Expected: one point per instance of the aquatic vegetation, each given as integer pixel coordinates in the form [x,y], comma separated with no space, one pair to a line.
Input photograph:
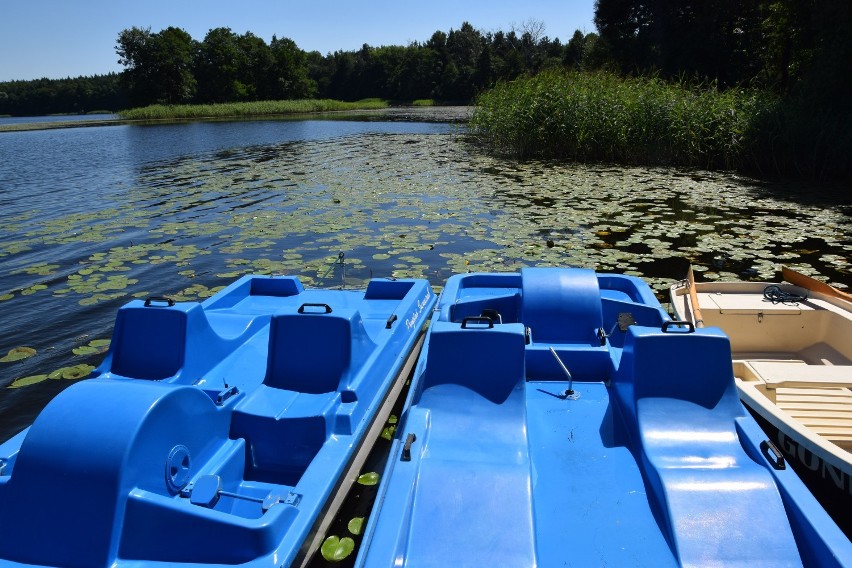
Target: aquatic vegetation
[17,354]
[27,381]
[396,205]
[72,373]
[94,347]
[335,549]
[247,109]
[75,372]
[370,478]
[355,525]
[630,120]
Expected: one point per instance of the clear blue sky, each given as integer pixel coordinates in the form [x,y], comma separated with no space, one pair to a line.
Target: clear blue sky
[66,38]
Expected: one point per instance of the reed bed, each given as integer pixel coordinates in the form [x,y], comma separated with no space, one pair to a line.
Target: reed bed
[248,109]
[605,117]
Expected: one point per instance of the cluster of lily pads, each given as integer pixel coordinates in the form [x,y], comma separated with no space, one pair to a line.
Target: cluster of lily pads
[335,548]
[401,205]
[73,372]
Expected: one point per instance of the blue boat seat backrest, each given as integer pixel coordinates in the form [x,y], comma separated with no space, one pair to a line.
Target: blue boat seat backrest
[561,305]
[487,361]
[149,342]
[695,367]
[176,342]
[313,352]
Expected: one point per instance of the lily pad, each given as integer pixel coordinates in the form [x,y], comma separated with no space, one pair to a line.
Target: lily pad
[18,353]
[80,371]
[27,381]
[355,525]
[370,478]
[388,432]
[84,350]
[335,549]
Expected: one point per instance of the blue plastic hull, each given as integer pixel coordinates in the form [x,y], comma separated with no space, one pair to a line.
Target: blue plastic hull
[650,461]
[214,433]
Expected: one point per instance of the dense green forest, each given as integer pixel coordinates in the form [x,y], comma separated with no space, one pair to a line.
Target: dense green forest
[170,67]
[62,96]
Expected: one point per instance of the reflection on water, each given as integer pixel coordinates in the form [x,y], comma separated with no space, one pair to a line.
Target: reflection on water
[93,217]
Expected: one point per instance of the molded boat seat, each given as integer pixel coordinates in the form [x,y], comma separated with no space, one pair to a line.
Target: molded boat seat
[562,305]
[159,342]
[286,420]
[474,451]
[719,503]
[562,308]
[298,362]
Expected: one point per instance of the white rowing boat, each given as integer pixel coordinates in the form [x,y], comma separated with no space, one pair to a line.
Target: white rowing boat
[792,357]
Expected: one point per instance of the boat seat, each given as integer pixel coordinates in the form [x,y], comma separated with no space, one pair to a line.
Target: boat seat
[562,305]
[718,502]
[308,352]
[155,341]
[288,418]
[562,308]
[799,374]
[475,450]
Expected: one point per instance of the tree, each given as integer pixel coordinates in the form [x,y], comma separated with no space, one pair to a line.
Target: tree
[158,67]
[219,64]
[290,71]
[707,39]
[257,67]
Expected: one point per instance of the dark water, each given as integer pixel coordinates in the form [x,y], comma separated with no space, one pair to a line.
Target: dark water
[90,218]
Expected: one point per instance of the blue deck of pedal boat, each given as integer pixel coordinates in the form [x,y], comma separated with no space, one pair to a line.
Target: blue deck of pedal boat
[655,463]
[214,433]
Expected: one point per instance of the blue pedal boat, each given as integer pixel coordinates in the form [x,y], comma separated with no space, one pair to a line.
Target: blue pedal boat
[637,453]
[217,433]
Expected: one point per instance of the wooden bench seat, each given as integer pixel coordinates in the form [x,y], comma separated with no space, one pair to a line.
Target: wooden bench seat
[799,374]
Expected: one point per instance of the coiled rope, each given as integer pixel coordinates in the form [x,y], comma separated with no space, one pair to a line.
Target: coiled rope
[776,295]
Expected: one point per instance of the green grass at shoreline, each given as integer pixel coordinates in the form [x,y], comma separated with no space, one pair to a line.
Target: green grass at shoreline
[247,109]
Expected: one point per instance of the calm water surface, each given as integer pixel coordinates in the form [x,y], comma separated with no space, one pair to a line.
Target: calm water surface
[92,217]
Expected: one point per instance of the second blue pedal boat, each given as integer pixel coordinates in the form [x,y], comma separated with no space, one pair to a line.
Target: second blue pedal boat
[558,417]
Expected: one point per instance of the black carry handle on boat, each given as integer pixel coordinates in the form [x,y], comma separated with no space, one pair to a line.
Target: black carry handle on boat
[773,455]
[477,319]
[406,449]
[158,300]
[668,324]
[325,307]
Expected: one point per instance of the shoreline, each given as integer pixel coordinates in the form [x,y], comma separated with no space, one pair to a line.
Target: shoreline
[455,114]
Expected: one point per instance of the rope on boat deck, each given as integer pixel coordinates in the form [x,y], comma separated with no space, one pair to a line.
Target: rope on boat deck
[776,295]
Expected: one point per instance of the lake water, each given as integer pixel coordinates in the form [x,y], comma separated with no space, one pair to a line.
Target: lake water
[93,217]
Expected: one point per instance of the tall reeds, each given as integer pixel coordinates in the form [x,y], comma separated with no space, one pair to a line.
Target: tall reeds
[605,117]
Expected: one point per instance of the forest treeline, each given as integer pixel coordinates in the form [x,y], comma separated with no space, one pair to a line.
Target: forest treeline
[781,68]
[783,46]
[171,67]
